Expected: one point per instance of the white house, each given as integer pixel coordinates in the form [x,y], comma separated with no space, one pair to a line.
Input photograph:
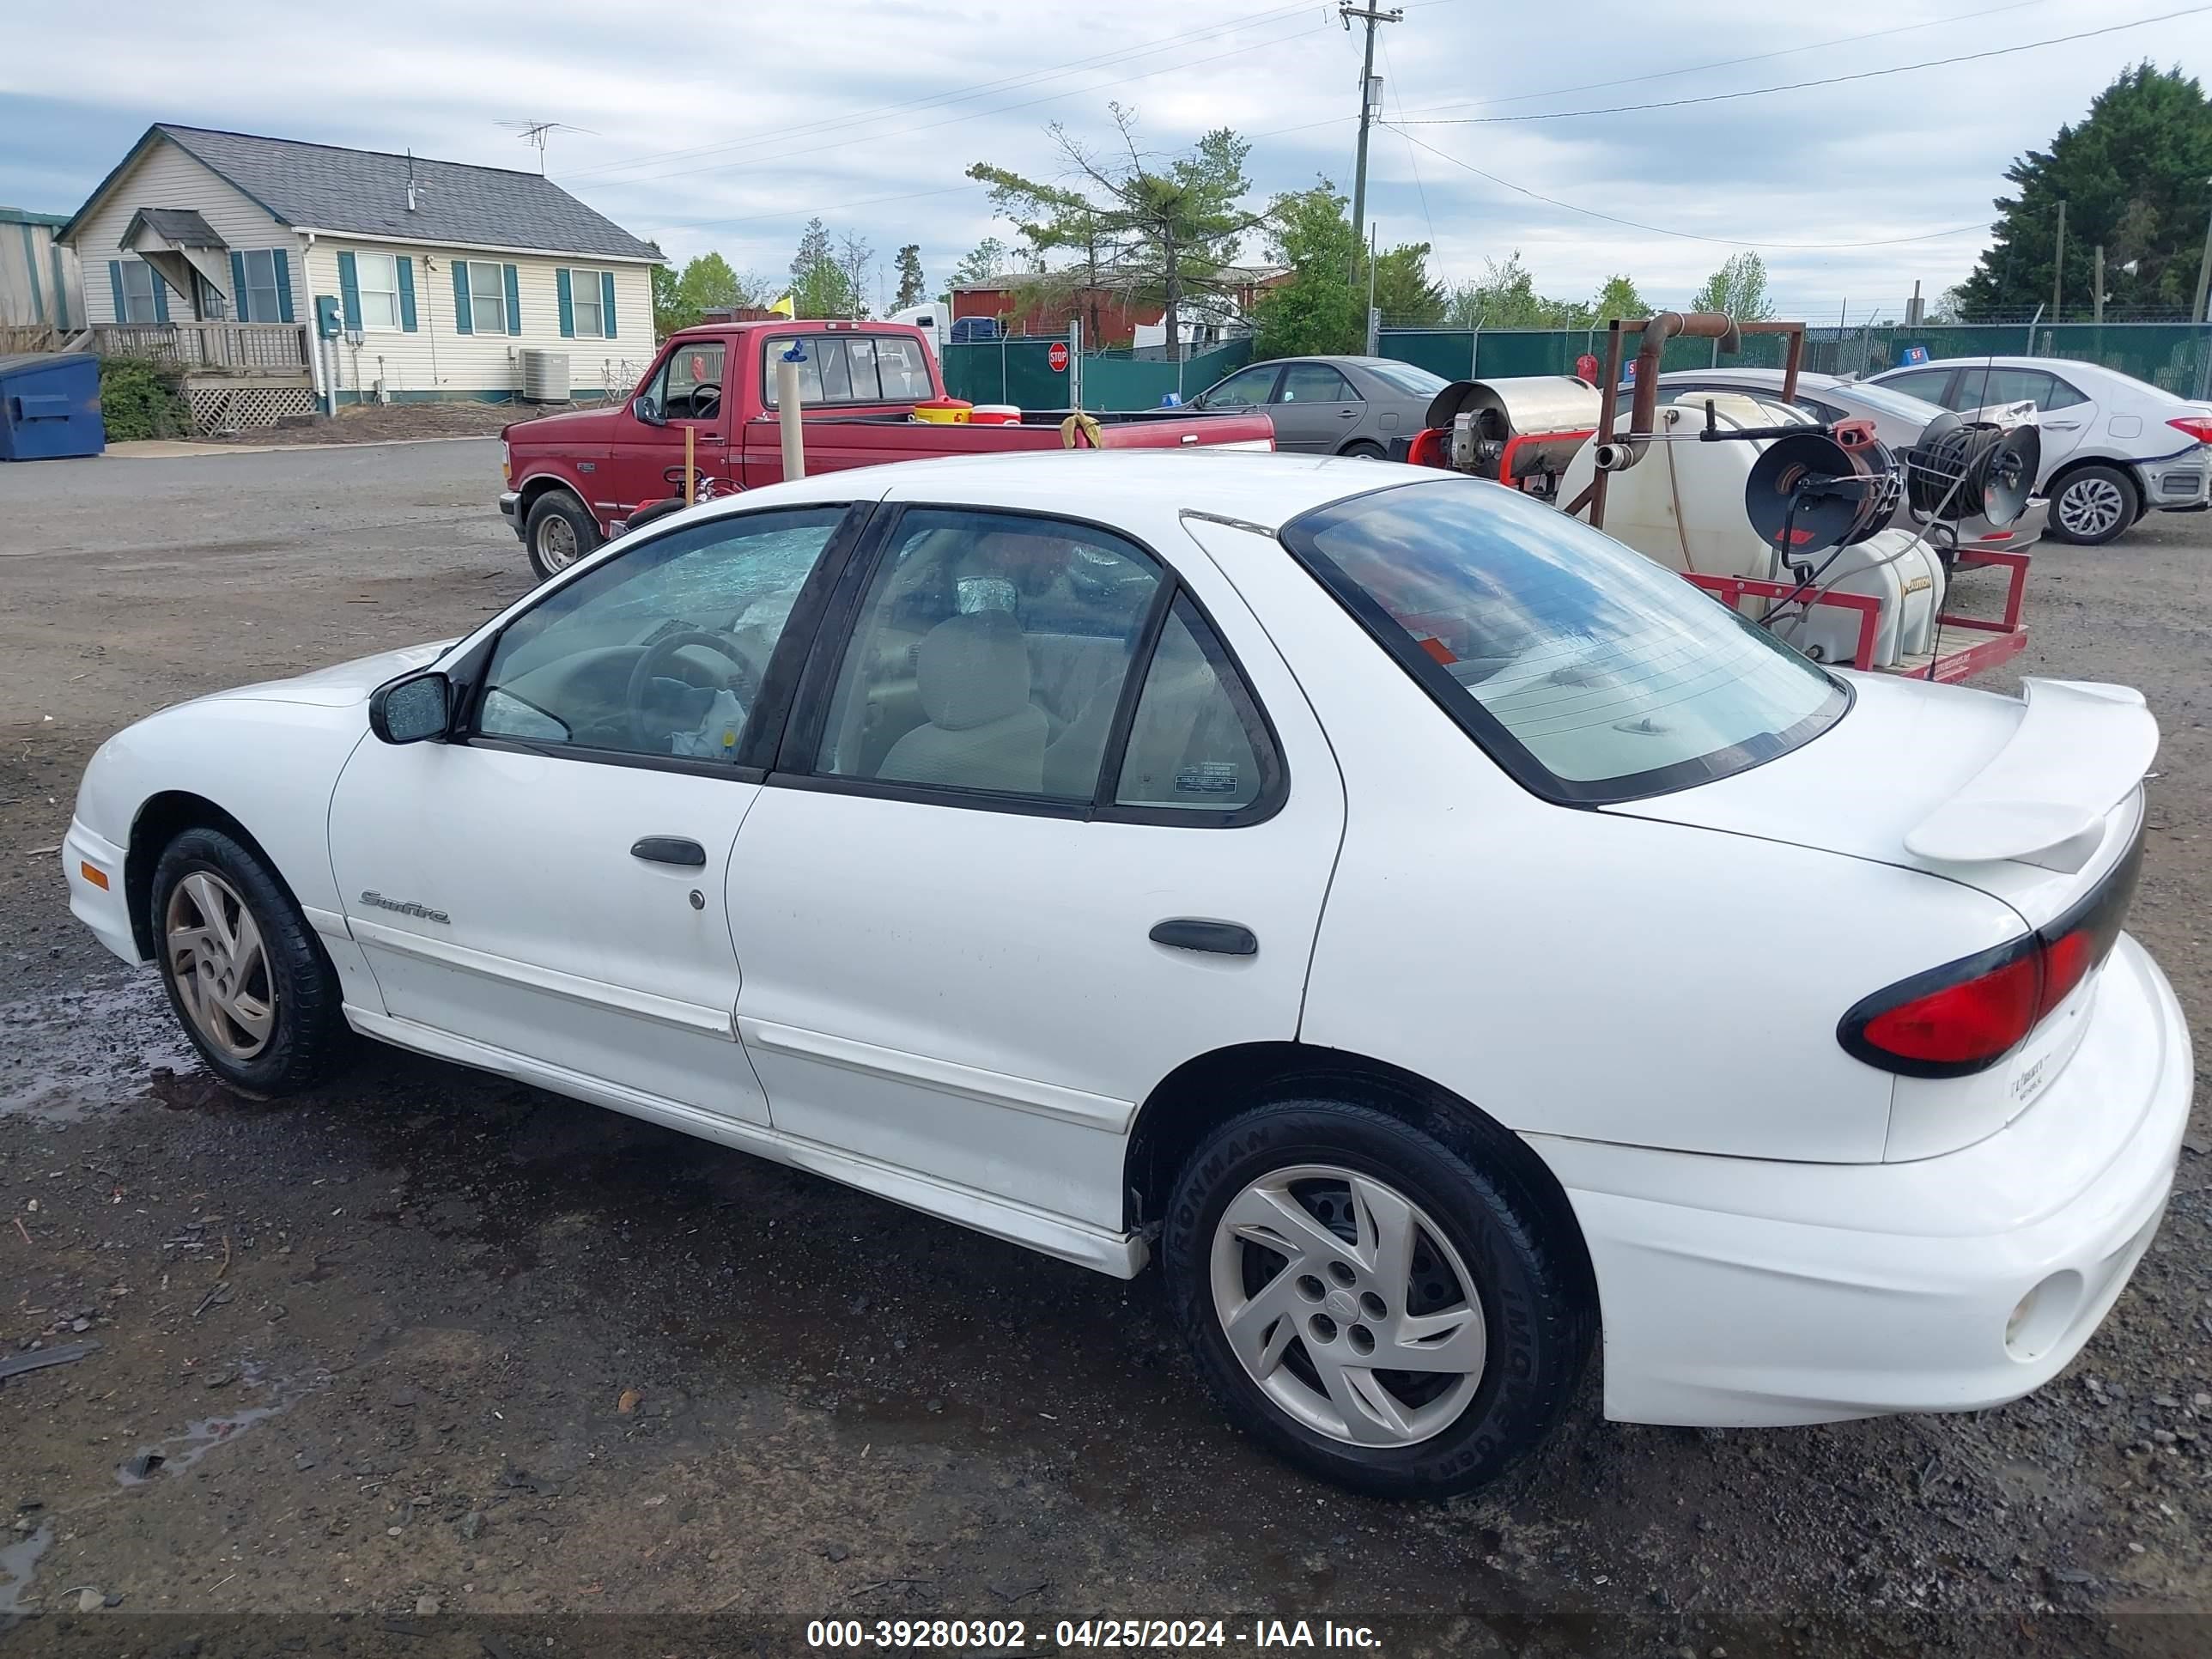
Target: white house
[442,273]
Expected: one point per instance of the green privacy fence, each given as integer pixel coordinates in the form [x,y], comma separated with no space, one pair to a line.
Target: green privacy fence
[1020,372]
[2176,356]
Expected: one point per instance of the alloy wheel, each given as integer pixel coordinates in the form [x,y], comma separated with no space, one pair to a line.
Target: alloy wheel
[1347,1305]
[2089,507]
[220,965]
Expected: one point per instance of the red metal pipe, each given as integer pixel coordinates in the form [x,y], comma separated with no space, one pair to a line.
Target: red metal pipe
[1658,331]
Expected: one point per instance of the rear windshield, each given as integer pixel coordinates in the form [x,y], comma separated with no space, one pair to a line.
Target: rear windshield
[1588,673]
[1407,378]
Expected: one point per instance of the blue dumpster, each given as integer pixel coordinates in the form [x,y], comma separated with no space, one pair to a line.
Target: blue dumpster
[49,406]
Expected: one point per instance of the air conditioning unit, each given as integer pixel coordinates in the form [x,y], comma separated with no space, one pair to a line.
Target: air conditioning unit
[544,376]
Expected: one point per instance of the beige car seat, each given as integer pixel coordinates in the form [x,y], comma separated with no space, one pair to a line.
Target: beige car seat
[972,674]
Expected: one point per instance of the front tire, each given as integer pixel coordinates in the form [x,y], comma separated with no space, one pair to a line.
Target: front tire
[2092,505]
[1310,1244]
[558,532]
[245,977]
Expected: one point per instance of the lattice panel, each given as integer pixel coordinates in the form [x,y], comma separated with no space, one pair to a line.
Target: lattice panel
[219,408]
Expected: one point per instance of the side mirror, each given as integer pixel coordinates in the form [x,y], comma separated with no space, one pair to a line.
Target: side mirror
[411,710]
[646,411]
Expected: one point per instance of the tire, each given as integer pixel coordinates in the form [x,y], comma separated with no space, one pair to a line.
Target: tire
[1365,450]
[558,532]
[2100,500]
[1469,1215]
[294,984]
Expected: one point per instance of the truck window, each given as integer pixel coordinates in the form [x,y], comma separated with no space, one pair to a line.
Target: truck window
[689,385]
[851,369]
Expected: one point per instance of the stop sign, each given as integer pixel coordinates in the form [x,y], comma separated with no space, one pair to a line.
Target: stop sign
[1057,358]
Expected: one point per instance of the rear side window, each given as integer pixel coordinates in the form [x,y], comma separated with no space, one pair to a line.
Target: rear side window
[851,369]
[1588,673]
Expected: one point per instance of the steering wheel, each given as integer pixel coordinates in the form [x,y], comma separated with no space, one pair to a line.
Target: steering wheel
[658,654]
[706,400]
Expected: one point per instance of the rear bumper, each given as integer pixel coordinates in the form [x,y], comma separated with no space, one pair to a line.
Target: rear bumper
[2181,485]
[1740,1292]
[510,508]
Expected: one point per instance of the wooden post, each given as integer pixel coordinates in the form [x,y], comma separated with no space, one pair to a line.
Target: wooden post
[789,412]
[690,439]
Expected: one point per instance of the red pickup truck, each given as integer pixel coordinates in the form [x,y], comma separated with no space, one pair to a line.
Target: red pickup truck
[573,479]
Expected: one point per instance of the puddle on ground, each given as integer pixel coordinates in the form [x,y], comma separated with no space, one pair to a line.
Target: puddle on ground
[87,1046]
[19,1565]
[180,1451]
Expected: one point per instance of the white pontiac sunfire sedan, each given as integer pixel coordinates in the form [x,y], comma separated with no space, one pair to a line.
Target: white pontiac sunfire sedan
[1445,937]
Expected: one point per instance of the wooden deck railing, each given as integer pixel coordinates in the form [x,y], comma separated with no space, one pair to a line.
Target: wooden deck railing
[244,348]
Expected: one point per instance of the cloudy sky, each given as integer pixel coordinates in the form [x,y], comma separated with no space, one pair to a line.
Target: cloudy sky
[706,130]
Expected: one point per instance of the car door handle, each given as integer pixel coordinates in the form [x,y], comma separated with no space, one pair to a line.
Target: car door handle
[1347,414]
[2060,426]
[670,849]
[1224,938]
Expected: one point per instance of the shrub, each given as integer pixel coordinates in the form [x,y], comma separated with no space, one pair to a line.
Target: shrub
[142,398]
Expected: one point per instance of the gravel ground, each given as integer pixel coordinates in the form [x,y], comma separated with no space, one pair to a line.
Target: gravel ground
[426,1344]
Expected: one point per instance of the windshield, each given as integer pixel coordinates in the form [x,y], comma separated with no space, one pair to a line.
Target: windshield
[1588,673]
[1406,378]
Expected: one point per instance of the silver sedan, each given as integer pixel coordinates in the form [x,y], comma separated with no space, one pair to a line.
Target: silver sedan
[1332,405]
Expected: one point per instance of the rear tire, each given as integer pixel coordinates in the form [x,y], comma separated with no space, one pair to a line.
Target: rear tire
[1393,1244]
[1365,450]
[244,974]
[558,532]
[2092,505]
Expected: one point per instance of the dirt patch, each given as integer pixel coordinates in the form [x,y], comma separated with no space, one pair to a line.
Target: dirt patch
[373,423]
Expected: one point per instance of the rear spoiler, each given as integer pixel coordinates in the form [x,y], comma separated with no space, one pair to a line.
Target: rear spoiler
[2080,748]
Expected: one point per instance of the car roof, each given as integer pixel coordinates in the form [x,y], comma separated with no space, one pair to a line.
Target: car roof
[1809,377]
[1268,491]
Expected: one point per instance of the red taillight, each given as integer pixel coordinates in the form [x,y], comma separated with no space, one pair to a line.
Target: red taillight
[1968,1015]
[1995,536]
[2198,427]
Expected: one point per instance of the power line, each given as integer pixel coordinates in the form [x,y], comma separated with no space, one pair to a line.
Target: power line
[1412,159]
[1688,235]
[1825,81]
[958,95]
[811,212]
[1729,63]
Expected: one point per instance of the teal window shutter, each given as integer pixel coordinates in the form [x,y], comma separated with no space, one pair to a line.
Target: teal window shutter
[160,298]
[461,325]
[283,263]
[561,286]
[513,300]
[607,303]
[238,288]
[405,266]
[115,279]
[349,289]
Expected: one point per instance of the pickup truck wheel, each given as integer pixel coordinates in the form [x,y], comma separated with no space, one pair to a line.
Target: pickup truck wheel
[244,976]
[558,532]
[1395,1314]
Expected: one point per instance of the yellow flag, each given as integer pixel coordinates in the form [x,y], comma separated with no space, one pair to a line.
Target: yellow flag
[782,307]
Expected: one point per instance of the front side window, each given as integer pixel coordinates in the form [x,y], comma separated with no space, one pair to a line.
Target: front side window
[1928,385]
[1588,673]
[487,298]
[689,385]
[376,276]
[1246,385]
[989,653]
[661,651]
[138,280]
[586,291]
[1314,383]
[264,303]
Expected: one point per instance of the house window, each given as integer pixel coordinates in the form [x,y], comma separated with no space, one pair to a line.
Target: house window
[261,303]
[376,276]
[487,298]
[585,289]
[138,280]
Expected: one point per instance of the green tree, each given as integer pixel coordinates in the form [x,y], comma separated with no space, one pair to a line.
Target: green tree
[1404,293]
[1739,288]
[913,287]
[1617,296]
[708,280]
[2133,176]
[1318,310]
[819,285]
[670,310]
[987,259]
[1162,233]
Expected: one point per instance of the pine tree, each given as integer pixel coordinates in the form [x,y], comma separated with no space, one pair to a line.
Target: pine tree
[913,287]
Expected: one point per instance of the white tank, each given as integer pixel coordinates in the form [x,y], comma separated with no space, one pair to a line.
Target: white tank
[1682,507]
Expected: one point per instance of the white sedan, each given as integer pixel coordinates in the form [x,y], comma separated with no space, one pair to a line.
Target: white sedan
[1448,940]
[2114,447]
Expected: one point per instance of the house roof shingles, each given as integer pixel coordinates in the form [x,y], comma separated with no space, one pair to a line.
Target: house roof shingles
[365,191]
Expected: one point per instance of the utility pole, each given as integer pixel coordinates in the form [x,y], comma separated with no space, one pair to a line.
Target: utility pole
[2097,293]
[1370,100]
[2058,269]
